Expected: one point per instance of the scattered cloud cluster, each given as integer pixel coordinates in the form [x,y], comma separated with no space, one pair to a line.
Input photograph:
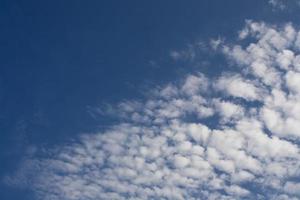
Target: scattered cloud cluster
[235,136]
[280,4]
[283,4]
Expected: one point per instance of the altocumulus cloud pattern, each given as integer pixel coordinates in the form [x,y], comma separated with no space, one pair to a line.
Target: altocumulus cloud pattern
[167,147]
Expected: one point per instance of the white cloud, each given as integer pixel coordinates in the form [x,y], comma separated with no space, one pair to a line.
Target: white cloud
[292,188]
[283,4]
[228,110]
[278,4]
[231,137]
[181,161]
[195,84]
[237,191]
[236,86]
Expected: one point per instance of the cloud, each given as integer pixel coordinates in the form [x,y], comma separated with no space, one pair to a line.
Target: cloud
[283,4]
[280,4]
[236,86]
[192,51]
[235,136]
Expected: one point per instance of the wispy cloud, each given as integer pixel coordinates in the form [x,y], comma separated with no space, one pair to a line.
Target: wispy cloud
[283,4]
[235,136]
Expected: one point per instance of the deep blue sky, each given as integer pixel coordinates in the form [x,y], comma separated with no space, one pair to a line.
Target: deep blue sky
[60,57]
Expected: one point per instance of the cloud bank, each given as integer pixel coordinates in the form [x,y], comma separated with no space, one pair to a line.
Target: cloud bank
[235,136]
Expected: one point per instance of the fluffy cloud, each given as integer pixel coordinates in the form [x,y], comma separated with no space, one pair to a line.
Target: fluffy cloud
[235,136]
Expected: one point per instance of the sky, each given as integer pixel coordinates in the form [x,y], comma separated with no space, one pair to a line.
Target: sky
[149,99]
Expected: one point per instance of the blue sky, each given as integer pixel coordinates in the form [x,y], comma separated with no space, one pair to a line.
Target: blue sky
[64,63]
